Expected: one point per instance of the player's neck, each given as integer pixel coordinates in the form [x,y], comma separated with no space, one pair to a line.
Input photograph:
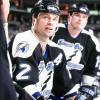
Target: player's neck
[43,46]
[73,32]
[43,41]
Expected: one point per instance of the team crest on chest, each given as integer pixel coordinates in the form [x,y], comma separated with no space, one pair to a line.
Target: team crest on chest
[49,66]
[41,66]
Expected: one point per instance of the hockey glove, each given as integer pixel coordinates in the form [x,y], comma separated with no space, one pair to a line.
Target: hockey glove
[85,93]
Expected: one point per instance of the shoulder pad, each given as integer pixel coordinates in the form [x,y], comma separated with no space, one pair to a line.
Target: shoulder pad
[93,37]
[24,44]
[85,31]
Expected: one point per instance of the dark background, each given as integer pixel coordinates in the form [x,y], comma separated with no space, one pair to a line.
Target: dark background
[20,18]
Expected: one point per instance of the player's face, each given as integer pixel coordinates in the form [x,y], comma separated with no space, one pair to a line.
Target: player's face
[46,25]
[78,20]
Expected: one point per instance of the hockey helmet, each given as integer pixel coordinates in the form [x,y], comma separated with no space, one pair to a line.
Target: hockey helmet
[46,6]
[79,8]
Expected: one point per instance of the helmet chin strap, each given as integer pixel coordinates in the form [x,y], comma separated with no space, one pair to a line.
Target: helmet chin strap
[56,29]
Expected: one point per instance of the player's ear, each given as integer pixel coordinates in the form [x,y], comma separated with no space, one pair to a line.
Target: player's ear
[69,19]
[33,20]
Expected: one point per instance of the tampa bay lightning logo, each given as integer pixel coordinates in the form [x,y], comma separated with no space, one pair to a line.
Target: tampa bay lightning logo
[22,47]
[50,66]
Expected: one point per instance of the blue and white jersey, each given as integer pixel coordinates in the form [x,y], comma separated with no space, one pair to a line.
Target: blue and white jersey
[37,73]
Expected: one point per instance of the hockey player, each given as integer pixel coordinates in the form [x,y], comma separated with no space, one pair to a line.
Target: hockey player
[80,51]
[39,64]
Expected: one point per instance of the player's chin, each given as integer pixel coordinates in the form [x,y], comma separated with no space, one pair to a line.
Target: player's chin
[80,28]
[50,34]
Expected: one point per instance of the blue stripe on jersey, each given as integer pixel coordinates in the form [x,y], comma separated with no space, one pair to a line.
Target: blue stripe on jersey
[36,95]
[46,54]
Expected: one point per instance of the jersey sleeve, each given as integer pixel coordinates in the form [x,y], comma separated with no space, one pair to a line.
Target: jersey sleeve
[90,70]
[25,70]
[91,57]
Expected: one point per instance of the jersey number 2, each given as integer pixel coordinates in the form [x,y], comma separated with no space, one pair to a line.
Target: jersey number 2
[25,68]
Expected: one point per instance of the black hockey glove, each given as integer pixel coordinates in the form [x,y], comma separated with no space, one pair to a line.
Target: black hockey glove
[85,93]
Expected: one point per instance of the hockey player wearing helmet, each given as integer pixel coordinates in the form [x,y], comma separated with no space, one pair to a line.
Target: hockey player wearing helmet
[80,51]
[40,65]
